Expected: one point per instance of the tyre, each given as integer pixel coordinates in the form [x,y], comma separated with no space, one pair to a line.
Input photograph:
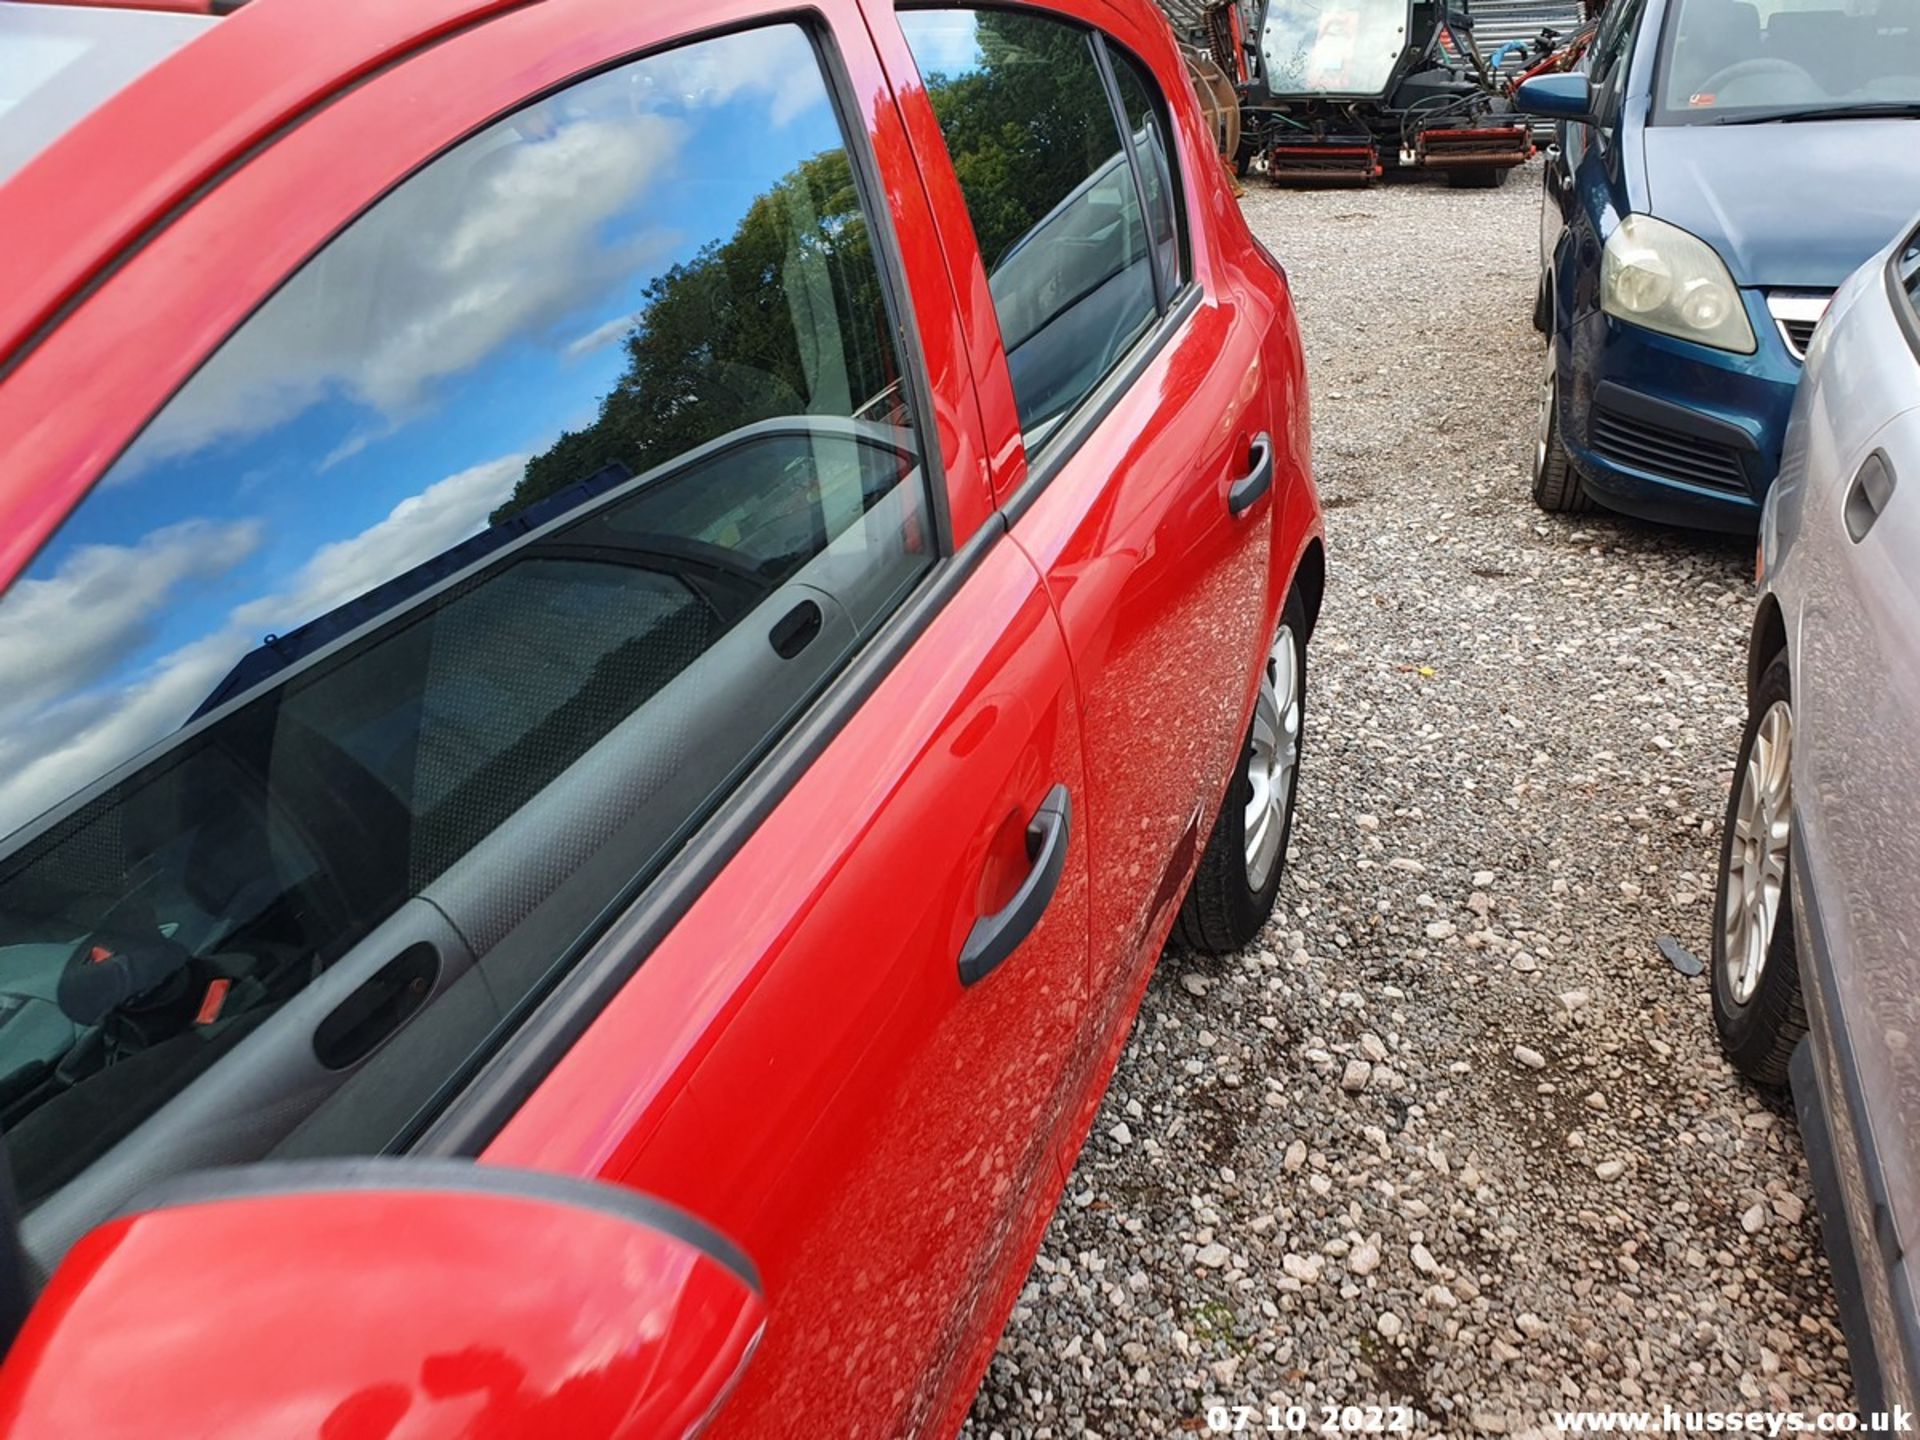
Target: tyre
[1239,875]
[1757,1008]
[1556,485]
[1543,306]
[1480,177]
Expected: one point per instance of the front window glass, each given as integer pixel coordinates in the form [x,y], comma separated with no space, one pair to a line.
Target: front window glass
[1028,122]
[1611,44]
[1754,60]
[1332,47]
[433,612]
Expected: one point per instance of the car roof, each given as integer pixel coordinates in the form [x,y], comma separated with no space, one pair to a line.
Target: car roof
[77,208]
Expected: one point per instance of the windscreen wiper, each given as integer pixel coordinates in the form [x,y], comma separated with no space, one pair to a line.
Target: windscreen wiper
[1861,110]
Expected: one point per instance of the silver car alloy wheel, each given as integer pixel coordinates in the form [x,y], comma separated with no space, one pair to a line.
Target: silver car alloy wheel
[1757,857]
[1544,431]
[1273,757]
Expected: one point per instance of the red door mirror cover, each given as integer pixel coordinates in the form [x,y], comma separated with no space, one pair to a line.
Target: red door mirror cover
[382,1299]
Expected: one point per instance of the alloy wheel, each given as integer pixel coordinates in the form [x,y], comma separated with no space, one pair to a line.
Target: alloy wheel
[1543,433]
[1757,857]
[1272,758]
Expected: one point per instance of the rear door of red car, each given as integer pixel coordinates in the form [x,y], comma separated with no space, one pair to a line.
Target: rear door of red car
[769,702]
[1129,453]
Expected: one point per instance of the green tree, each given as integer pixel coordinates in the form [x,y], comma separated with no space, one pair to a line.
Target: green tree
[1025,127]
[716,344]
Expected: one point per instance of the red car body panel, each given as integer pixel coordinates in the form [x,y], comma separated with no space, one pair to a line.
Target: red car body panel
[901,1130]
[1152,577]
[796,1062]
[587,1324]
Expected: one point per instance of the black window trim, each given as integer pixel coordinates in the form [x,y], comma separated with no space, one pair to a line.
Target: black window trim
[1173,310]
[544,1025]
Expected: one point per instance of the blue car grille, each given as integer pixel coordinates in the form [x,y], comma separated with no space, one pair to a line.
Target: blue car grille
[1671,454]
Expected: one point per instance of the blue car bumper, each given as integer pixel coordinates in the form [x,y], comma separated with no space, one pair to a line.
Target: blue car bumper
[1673,431]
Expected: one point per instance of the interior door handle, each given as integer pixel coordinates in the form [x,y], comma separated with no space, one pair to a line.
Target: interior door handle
[1258,479]
[1872,488]
[994,937]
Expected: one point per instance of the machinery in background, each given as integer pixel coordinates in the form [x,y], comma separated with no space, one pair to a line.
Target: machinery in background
[1341,93]
[1510,34]
[1219,94]
[1548,53]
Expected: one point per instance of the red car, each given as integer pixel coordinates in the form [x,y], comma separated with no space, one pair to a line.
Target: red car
[676,599]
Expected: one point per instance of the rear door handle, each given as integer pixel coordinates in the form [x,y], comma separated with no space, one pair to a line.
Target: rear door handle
[1872,488]
[1258,479]
[994,937]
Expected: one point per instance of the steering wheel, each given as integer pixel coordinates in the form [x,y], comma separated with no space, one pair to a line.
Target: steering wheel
[1760,65]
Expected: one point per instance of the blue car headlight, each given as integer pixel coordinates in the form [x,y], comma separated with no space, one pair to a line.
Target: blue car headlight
[1657,275]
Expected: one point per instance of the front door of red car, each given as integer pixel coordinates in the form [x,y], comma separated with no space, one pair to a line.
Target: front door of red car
[849,1045]
[1132,389]
[576,704]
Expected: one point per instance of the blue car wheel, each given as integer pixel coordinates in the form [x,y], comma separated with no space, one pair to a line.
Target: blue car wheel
[1556,485]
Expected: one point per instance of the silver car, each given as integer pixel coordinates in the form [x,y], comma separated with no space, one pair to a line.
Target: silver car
[1816,973]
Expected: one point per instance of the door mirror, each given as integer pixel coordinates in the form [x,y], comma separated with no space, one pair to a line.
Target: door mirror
[1556,97]
[368,1299]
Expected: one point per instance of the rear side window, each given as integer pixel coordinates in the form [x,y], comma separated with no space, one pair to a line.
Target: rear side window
[1152,136]
[1082,248]
[427,619]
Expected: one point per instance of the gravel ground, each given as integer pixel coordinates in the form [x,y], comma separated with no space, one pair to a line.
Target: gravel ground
[1453,1135]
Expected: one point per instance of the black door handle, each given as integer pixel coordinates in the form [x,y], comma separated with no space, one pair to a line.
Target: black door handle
[994,937]
[384,1002]
[1258,479]
[1872,488]
[795,630]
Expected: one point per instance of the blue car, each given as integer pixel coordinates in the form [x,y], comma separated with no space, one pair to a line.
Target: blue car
[1722,167]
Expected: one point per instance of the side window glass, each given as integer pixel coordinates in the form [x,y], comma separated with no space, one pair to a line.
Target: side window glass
[1029,124]
[429,617]
[1613,40]
[1146,113]
[1613,47]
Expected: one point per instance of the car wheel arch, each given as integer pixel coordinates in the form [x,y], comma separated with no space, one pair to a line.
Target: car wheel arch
[1310,579]
[1769,638]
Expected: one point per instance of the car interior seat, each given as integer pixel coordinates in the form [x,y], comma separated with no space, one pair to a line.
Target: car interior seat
[1892,38]
[1818,41]
[1714,34]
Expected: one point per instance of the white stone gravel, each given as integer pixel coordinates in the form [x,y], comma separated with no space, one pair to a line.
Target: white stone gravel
[1458,1137]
